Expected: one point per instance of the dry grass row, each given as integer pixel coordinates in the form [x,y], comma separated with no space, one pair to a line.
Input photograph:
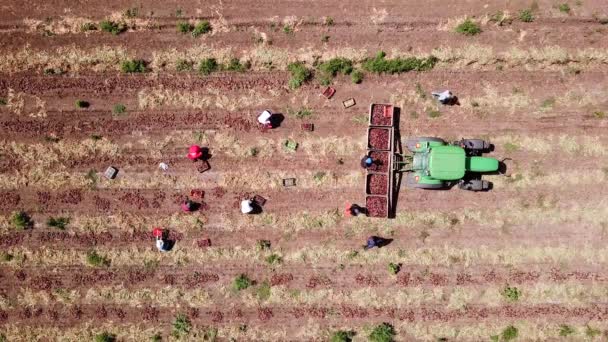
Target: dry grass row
[471,56]
[22,104]
[103,58]
[572,295]
[211,98]
[39,154]
[328,254]
[74,25]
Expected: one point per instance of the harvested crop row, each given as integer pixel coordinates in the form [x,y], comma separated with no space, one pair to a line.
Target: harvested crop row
[378,184]
[379,117]
[379,138]
[376,206]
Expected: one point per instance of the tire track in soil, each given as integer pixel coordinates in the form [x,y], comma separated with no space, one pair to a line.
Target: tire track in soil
[113,84]
[159,122]
[140,160]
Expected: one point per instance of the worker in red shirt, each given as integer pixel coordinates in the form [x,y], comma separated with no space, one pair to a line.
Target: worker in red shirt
[195,153]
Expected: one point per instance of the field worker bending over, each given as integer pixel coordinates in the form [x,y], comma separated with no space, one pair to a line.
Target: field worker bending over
[159,234]
[445,97]
[160,244]
[367,162]
[264,119]
[247,206]
[195,152]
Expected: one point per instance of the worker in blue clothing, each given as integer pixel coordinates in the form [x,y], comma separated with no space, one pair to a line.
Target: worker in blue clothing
[367,162]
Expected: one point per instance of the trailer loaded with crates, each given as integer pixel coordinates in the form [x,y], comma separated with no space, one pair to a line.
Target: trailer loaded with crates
[381,148]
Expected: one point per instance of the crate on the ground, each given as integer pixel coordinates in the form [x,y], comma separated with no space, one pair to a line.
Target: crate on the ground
[111,172]
[349,103]
[308,127]
[197,193]
[328,92]
[259,200]
[289,182]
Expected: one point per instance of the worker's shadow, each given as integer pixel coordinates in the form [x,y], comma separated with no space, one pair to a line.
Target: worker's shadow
[206,154]
[382,242]
[195,206]
[256,208]
[168,243]
[453,101]
[276,119]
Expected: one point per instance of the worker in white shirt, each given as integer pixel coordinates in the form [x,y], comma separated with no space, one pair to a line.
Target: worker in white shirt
[264,119]
[247,206]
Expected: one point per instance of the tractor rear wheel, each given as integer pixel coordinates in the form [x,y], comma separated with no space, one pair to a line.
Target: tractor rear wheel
[410,144]
[410,182]
[475,145]
[475,185]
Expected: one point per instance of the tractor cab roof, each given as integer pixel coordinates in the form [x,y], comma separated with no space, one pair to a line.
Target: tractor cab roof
[447,162]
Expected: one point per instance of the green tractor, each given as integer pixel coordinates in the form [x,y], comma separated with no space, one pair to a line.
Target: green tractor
[436,164]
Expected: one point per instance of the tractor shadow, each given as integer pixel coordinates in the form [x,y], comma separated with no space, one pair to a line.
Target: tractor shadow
[206,154]
[168,241]
[392,211]
[503,167]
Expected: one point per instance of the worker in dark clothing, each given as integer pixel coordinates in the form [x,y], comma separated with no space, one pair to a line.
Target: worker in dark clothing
[367,162]
[355,210]
[376,241]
